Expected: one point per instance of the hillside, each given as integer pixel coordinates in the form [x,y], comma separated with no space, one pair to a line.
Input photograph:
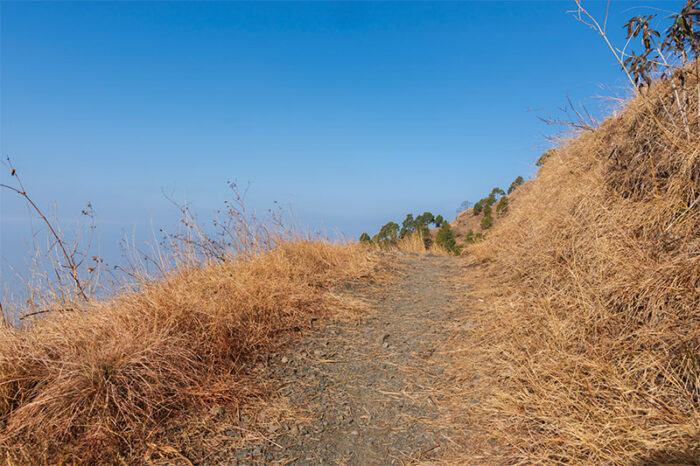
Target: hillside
[466,221]
[591,321]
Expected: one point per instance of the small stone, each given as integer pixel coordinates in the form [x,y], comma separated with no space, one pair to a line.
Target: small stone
[241,454]
[385,344]
[216,411]
[231,433]
[257,451]
[354,432]
[285,359]
[294,430]
[318,353]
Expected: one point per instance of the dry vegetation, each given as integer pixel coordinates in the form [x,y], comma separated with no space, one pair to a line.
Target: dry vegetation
[94,384]
[592,325]
[415,244]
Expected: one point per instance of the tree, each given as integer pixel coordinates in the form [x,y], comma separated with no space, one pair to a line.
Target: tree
[497,192]
[422,227]
[502,206]
[515,184]
[364,238]
[479,206]
[487,211]
[486,222]
[408,226]
[680,43]
[445,238]
[439,220]
[464,206]
[425,219]
[387,234]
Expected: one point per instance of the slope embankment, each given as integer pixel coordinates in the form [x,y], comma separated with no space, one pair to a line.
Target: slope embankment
[591,318]
[103,384]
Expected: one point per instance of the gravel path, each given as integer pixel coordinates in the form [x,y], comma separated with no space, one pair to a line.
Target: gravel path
[367,392]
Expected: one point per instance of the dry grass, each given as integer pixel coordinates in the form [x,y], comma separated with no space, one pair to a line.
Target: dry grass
[93,385]
[413,244]
[593,319]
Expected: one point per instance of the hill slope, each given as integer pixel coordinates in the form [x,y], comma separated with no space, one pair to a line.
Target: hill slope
[593,324]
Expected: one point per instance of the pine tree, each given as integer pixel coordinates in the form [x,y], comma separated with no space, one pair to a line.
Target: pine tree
[445,238]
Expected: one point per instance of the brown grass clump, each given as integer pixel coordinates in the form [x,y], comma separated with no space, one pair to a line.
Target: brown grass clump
[593,326]
[93,385]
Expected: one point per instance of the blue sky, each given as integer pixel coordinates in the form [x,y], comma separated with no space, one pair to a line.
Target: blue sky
[352,114]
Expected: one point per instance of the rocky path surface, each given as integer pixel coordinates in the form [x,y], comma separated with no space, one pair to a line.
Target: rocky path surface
[369,391]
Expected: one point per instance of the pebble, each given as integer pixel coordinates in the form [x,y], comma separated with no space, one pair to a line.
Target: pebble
[354,432]
[285,359]
[216,411]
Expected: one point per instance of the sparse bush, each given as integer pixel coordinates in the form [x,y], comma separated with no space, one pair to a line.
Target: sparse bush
[486,222]
[365,238]
[488,210]
[469,237]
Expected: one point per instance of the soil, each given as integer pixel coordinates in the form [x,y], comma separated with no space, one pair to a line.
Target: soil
[369,391]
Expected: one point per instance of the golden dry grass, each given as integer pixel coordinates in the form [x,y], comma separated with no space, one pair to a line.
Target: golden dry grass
[413,244]
[590,342]
[94,385]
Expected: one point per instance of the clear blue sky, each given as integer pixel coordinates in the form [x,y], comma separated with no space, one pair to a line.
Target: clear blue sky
[353,114]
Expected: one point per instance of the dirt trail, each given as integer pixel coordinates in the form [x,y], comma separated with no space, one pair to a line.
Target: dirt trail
[370,390]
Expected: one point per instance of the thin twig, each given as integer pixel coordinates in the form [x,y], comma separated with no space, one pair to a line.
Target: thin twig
[61,244]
